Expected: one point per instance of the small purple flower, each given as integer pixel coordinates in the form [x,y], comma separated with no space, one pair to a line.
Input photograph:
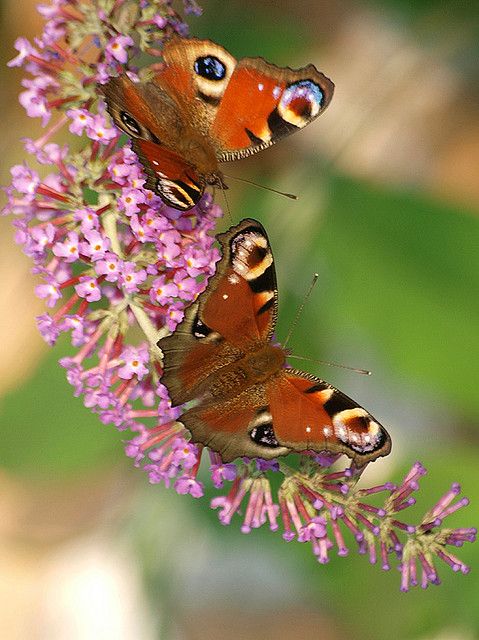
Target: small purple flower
[117,48]
[50,292]
[40,239]
[187,484]
[174,315]
[194,261]
[187,287]
[96,245]
[160,21]
[68,249]
[46,154]
[315,528]
[135,363]
[109,267]
[97,129]
[24,180]
[88,288]
[87,218]
[121,171]
[267,465]
[80,120]
[100,398]
[130,199]
[131,277]
[162,292]
[34,100]
[79,328]
[184,453]
[142,231]
[24,49]
[221,472]
[48,329]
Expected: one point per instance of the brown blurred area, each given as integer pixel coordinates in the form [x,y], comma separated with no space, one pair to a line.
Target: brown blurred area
[402,115]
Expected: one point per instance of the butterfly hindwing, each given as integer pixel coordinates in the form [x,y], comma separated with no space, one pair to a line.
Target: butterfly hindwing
[235,428]
[168,175]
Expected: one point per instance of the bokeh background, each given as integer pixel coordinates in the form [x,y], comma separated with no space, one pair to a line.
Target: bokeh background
[388,181]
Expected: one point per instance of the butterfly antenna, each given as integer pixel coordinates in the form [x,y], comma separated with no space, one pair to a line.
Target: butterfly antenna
[300,309]
[227,204]
[292,196]
[333,364]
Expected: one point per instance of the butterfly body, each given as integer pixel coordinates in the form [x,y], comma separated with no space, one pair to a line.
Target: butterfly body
[248,402]
[202,107]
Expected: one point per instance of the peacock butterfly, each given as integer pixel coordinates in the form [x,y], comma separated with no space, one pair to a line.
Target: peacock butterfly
[248,401]
[202,107]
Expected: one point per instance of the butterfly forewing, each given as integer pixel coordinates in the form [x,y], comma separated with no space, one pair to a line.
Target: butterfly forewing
[263,103]
[135,106]
[197,73]
[310,414]
[234,315]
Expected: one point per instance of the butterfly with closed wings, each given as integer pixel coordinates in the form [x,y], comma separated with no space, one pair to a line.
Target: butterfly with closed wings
[203,107]
[248,402]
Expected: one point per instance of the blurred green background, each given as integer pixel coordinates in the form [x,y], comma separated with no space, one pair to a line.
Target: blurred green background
[388,186]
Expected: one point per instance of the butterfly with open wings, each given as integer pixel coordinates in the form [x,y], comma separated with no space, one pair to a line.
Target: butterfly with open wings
[203,107]
[248,401]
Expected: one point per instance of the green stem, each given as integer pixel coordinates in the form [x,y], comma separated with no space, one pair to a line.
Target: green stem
[109,225]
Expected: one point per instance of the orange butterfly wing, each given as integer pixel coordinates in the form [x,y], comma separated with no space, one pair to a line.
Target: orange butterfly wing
[310,414]
[237,311]
[241,107]
[152,118]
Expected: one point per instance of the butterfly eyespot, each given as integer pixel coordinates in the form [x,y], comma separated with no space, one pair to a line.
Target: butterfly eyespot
[178,194]
[301,102]
[358,431]
[210,67]
[199,329]
[131,125]
[252,260]
[262,432]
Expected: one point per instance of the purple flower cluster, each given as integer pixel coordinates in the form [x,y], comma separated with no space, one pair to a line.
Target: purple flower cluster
[118,268]
[324,507]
